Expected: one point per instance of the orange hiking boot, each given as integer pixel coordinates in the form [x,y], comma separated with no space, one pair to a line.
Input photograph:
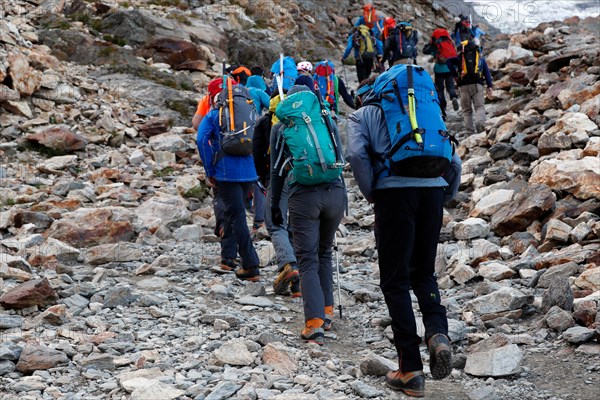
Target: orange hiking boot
[313,331]
[251,274]
[228,264]
[328,318]
[287,275]
[411,383]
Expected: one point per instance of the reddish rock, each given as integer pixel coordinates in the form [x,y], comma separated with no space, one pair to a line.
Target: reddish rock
[40,220]
[92,228]
[35,358]
[32,293]
[59,138]
[154,126]
[578,177]
[179,54]
[529,204]
[25,79]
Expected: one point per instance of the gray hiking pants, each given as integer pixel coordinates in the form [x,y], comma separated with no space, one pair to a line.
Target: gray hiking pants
[472,97]
[280,235]
[315,213]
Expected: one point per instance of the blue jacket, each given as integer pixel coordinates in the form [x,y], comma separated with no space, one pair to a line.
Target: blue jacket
[455,66]
[350,46]
[377,28]
[368,145]
[260,98]
[229,168]
[474,32]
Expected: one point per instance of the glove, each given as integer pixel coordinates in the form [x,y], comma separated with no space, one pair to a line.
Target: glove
[276,216]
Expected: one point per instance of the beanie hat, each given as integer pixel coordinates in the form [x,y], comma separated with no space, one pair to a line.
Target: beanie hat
[306,81]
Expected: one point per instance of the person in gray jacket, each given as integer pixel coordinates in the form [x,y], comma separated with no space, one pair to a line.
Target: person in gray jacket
[315,212]
[408,219]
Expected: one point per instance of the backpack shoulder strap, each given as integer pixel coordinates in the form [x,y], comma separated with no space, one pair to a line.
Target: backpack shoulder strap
[313,133]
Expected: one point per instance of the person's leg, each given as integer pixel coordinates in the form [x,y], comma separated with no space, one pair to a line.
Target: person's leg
[360,70]
[450,85]
[422,273]
[224,230]
[478,104]
[333,211]
[233,194]
[368,67]
[280,236]
[467,110]
[259,206]
[395,224]
[305,209]
[424,284]
[439,87]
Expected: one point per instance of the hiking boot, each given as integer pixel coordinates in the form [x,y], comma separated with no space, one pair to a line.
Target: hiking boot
[256,226]
[285,278]
[328,318]
[440,357]
[411,383]
[228,264]
[251,274]
[313,331]
[455,105]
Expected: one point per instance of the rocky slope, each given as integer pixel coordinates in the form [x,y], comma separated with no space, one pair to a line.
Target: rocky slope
[107,286]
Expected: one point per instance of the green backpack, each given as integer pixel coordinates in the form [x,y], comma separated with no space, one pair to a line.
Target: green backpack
[313,152]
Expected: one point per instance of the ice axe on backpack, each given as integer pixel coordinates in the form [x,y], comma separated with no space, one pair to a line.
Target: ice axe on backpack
[327,120]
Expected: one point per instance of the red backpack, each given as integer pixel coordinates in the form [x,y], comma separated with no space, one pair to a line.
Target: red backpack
[325,78]
[444,44]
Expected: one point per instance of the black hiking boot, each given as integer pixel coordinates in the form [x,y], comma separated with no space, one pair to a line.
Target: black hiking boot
[440,357]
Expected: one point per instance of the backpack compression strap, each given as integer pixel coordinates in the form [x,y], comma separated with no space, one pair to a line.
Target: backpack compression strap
[311,129]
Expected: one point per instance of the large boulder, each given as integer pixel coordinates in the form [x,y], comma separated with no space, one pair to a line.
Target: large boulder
[36,292]
[578,177]
[163,210]
[529,204]
[91,227]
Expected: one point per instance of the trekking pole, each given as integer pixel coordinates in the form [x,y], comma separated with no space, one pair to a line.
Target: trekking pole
[344,70]
[337,266]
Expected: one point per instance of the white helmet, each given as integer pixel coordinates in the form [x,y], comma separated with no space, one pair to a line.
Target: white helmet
[305,66]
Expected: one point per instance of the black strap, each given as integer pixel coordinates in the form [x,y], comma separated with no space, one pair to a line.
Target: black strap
[397,93]
[409,76]
[399,144]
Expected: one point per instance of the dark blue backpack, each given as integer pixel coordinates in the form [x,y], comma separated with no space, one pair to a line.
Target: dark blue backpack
[420,143]
[406,38]
[290,73]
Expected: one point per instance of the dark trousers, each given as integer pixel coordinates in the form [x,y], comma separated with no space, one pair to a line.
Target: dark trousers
[232,195]
[407,229]
[444,79]
[363,68]
[315,213]
[228,243]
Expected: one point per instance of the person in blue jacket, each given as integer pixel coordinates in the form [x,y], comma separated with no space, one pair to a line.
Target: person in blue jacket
[463,30]
[257,88]
[232,177]
[364,65]
[408,219]
[372,20]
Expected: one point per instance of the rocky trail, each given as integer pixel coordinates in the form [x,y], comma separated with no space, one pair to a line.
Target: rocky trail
[108,287]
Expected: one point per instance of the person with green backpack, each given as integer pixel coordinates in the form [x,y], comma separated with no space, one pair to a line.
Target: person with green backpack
[307,158]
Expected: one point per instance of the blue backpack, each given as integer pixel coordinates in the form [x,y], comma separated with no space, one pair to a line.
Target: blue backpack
[328,85]
[290,73]
[420,143]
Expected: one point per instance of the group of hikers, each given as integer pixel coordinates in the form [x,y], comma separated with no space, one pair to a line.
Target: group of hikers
[279,144]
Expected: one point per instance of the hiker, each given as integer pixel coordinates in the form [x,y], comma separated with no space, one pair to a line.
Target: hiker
[331,86]
[255,200]
[441,47]
[224,144]
[365,88]
[306,160]
[206,102]
[288,72]
[287,279]
[304,68]
[366,49]
[373,21]
[464,31]
[408,196]
[257,88]
[389,24]
[470,70]
[259,72]
[401,45]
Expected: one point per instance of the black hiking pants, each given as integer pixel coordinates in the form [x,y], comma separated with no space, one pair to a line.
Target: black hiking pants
[444,80]
[407,230]
[363,68]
